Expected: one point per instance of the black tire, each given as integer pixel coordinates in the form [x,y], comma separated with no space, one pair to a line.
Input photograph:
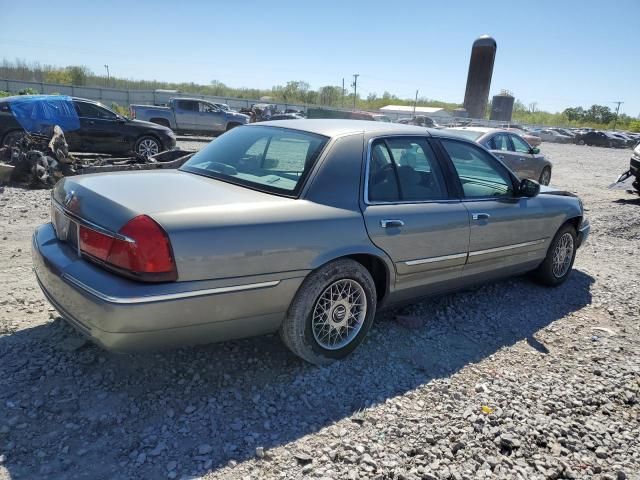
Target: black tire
[12,137]
[144,146]
[545,274]
[232,125]
[545,176]
[297,331]
[580,142]
[610,144]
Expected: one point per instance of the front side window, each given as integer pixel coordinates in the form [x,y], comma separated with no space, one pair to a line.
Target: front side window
[189,105]
[480,174]
[89,110]
[404,169]
[271,159]
[520,145]
[207,107]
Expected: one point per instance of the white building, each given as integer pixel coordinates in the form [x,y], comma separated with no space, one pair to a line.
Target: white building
[402,111]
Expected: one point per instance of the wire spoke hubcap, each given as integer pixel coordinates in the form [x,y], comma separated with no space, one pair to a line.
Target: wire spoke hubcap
[339,314]
[562,255]
[147,148]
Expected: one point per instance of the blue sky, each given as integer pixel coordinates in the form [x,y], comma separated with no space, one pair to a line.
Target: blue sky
[555,53]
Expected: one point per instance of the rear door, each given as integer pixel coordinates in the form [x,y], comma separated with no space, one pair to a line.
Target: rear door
[410,213]
[506,231]
[501,146]
[187,114]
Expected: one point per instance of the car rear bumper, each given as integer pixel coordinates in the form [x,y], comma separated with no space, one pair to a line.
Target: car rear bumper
[126,316]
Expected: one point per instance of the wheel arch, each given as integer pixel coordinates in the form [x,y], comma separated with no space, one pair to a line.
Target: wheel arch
[377,263]
[161,121]
[9,132]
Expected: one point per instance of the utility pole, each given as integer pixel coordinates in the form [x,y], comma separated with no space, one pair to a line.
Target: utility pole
[355,88]
[108,76]
[615,122]
[414,104]
[342,92]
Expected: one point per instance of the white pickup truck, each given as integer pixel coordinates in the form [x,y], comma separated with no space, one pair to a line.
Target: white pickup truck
[190,115]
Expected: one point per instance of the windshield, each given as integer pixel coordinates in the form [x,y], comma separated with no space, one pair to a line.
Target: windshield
[271,159]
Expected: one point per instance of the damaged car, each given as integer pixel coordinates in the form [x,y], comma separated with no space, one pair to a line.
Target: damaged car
[88,126]
[302,227]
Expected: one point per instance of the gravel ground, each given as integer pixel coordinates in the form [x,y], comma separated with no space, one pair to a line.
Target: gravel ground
[510,380]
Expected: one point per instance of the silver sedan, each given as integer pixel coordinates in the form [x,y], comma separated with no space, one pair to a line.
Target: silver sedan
[512,149]
[306,227]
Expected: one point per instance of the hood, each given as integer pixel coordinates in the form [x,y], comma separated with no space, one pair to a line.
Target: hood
[143,124]
[551,190]
[112,199]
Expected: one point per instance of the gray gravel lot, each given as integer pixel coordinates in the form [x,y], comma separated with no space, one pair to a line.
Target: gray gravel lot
[510,380]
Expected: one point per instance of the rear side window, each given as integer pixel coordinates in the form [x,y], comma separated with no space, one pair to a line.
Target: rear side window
[404,169]
[189,105]
[500,142]
[481,175]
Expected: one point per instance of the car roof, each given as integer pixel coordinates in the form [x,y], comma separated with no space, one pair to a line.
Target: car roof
[331,127]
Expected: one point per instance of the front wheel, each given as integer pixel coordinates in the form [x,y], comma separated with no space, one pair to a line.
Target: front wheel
[147,146]
[545,176]
[580,142]
[331,313]
[557,265]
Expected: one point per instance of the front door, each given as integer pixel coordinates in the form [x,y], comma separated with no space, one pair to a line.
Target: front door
[528,161]
[100,130]
[506,231]
[210,118]
[410,214]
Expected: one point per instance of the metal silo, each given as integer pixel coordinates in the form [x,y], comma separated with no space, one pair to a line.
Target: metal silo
[476,96]
[502,106]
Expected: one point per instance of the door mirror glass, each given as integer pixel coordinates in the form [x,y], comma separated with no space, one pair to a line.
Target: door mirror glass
[529,188]
[535,150]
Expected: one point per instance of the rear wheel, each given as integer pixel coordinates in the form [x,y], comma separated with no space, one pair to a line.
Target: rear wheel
[545,176]
[580,142]
[557,265]
[147,146]
[331,313]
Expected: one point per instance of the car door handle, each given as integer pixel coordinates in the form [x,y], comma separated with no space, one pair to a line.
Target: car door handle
[91,122]
[391,223]
[480,216]
[501,157]
[522,159]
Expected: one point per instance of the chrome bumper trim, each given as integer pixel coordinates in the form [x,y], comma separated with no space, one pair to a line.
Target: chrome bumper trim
[167,296]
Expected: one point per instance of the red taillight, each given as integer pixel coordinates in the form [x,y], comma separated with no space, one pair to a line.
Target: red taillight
[144,254]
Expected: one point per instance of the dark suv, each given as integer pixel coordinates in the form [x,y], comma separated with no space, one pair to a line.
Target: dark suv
[88,126]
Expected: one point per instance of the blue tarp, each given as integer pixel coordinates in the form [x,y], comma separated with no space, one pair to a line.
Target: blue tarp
[35,113]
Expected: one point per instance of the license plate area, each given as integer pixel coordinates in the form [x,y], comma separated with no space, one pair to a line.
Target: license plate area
[65,228]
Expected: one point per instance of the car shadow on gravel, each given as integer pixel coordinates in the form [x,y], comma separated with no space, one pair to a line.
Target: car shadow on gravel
[71,410]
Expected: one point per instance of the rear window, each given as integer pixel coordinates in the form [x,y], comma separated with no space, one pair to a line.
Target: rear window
[271,159]
[472,135]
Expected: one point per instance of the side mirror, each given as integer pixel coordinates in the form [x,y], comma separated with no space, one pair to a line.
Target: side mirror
[534,150]
[528,188]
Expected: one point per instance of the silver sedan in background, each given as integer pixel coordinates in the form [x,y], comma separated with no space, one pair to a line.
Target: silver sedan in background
[306,227]
[525,161]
